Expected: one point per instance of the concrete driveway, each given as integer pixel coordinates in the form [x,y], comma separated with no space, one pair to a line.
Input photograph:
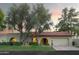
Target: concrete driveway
[65,48]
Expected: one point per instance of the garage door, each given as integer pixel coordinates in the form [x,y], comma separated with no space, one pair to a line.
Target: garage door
[60,42]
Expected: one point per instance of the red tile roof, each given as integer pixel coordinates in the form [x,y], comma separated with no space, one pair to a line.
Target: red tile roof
[47,34]
[55,34]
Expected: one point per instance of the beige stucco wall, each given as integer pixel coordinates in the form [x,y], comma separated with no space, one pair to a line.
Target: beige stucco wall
[6,38]
[63,40]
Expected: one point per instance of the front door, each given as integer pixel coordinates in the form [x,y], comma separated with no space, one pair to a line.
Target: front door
[44,41]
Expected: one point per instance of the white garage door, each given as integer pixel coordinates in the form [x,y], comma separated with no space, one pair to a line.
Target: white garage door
[60,42]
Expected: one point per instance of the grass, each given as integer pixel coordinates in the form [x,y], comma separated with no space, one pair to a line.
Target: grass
[26,48]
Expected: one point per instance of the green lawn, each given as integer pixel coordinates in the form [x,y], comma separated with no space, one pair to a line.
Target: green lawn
[25,48]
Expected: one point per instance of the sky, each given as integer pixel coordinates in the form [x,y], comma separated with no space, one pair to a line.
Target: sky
[55,9]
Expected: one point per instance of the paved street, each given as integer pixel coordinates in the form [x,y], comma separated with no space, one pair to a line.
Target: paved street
[65,48]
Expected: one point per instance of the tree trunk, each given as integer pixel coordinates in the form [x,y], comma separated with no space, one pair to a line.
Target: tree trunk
[21,32]
[24,38]
[21,36]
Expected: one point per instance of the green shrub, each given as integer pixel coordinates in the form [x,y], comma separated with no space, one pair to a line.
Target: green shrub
[18,43]
[32,43]
[9,43]
[4,43]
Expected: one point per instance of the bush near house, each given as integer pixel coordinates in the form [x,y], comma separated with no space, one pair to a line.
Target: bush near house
[8,43]
[32,43]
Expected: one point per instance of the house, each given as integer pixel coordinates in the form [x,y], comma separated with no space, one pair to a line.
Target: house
[51,38]
[55,38]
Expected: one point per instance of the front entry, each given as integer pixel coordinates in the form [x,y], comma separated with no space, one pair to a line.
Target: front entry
[44,41]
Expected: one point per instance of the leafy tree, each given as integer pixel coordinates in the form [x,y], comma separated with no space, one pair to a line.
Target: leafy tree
[2,21]
[17,17]
[67,20]
[20,17]
[40,19]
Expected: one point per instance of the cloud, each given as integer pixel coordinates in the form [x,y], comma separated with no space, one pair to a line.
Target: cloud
[56,13]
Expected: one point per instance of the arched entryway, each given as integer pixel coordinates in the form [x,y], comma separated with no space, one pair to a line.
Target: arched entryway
[44,41]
